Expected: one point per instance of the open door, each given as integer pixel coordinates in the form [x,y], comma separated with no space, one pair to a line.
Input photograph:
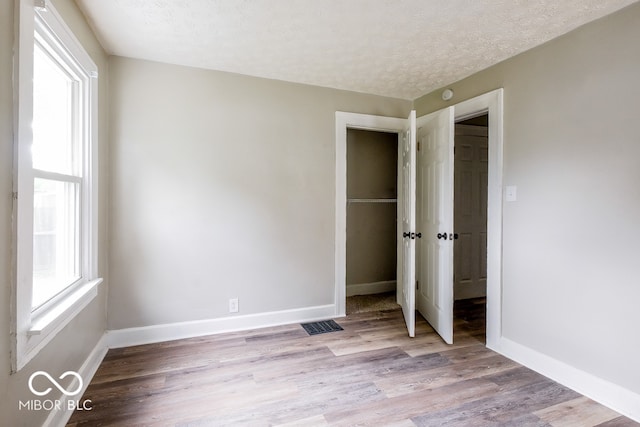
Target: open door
[435,220]
[407,223]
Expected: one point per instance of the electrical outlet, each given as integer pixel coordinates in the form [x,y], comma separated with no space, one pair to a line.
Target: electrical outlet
[233,305]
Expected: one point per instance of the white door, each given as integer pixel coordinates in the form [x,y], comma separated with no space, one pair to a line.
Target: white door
[435,220]
[407,223]
[470,212]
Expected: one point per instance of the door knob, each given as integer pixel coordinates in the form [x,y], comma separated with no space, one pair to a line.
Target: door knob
[413,235]
[442,236]
[455,236]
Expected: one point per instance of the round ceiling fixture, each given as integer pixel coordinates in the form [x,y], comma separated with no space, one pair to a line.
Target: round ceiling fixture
[447,94]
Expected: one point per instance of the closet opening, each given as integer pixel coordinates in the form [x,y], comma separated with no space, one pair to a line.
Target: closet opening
[371,223]
[470,223]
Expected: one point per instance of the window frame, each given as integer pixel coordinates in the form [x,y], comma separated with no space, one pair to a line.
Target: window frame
[32,328]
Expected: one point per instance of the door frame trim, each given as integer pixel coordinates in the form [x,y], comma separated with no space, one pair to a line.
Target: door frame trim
[346,121]
[491,103]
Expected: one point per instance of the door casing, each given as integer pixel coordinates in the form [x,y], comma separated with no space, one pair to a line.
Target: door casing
[346,121]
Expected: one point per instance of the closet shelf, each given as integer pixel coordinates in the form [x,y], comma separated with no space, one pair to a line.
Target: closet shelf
[372,200]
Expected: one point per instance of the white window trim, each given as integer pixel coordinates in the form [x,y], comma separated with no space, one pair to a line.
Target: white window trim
[32,330]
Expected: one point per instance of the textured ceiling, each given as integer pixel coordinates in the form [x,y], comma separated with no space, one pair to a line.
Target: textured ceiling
[398,48]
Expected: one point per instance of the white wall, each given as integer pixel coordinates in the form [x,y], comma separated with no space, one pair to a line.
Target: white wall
[222,186]
[75,342]
[572,240]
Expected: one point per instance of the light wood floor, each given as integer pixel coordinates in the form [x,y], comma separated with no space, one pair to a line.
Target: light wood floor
[369,374]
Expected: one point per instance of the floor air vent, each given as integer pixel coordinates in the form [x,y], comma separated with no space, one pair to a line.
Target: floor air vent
[322,327]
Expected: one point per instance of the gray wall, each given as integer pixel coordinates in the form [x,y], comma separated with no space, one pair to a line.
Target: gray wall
[222,186]
[371,227]
[572,240]
[73,344]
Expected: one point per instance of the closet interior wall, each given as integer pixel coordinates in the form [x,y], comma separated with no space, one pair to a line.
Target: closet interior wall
[371,211]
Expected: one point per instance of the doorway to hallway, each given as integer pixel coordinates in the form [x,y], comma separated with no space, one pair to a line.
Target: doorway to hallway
[470,220]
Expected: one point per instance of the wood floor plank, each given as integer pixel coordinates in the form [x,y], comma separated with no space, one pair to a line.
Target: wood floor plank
[619,422]
[576,413]
[499,408]
[431,379]
[314,421]
[398,408]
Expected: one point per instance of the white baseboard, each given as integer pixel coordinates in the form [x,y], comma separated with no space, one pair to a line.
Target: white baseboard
[86,371]
[602,391]
[173,331]
[371,288]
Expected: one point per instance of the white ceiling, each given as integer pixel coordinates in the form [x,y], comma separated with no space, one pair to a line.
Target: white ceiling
[398,48]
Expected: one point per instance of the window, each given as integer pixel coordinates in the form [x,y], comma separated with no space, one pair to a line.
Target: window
[57,170]
[56,221]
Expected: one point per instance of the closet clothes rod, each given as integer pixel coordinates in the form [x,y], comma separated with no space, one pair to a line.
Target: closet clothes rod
[372,200]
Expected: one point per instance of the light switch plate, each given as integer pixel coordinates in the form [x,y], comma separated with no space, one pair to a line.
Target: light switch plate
[510,193]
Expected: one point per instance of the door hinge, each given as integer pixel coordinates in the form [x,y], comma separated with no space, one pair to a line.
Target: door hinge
[418,145]
[14,195]
[417,284]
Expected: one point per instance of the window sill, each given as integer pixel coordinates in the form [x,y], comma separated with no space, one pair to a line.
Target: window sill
[59,315]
